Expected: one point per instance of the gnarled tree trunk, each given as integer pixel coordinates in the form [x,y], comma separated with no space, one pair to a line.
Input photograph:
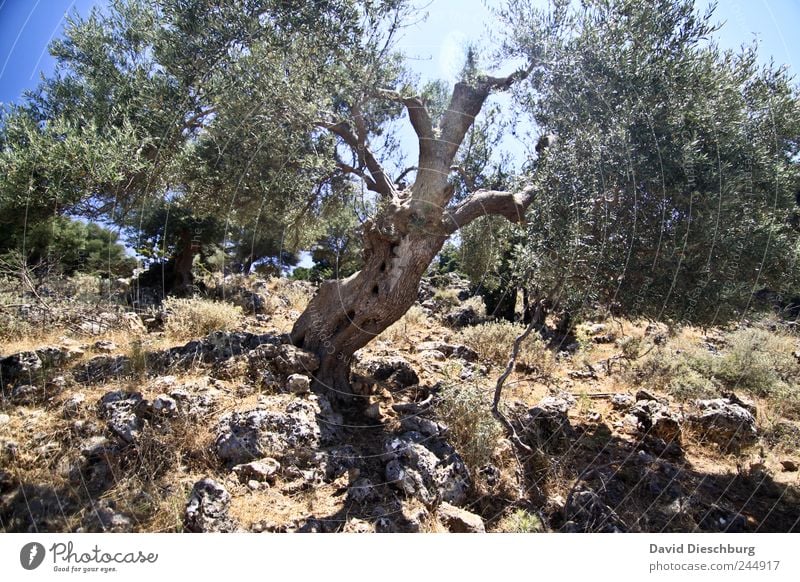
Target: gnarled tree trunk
[346,315]
[404,237]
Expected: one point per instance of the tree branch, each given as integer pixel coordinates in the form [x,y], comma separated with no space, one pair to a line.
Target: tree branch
[382,183]
[348,169]
[509,205]
[405,173]
[498,390]
[465,104]
[417,113]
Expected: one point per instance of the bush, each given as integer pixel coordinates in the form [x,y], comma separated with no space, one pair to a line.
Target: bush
[473,431]
[12,326]
[493,342]
[188,318]
[756,361]
[521,521]
[447,297]
[760,362]
[685,374]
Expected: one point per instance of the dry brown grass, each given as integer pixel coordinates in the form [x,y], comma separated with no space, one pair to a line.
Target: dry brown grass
[413,320]
[191,318]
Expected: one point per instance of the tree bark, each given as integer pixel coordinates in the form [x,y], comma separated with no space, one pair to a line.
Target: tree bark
[347,314]
[187,250]
[408,232]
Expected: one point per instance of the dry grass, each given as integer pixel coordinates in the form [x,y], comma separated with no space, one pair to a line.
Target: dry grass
[756,361]
[414,319]
[191,318]
[448,297]
[294,294]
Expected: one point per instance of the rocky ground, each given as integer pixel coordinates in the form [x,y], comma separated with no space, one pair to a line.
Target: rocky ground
[108,423]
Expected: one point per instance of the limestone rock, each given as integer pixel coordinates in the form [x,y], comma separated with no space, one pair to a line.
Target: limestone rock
[586,512]
[418,471]
[262,470]
[120,410]
[253,434]
[395,370]
[723,422]
[459,520]
[207,508]
[298,384]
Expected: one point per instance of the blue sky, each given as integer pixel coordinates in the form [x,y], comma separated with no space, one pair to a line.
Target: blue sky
[27,26]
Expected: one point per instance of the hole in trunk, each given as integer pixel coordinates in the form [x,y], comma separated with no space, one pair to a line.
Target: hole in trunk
[383,267]
[375,290]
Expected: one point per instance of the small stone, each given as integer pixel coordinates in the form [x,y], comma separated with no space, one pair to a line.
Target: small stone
[362,490]
[73,405]
[263,470]
[355,525]
[207,508]
[298,384]
[621,401]
[28,394]
[459,520]
[597,329]
[120,409]
[4,419]
[254,485]
[165,405]
[105,346]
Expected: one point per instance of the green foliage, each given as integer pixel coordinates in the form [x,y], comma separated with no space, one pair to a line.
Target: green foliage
[493,342]
[762,363]
[521,521]
[669,191]
[210,109]
[63,246]
[466,409]
[755,361]
[337,249]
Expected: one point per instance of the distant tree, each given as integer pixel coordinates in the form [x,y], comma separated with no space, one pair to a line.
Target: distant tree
[62,246]
[668,191]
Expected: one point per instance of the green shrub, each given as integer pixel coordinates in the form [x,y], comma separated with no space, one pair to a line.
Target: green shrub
[493,342]
[474,432]
[521,521]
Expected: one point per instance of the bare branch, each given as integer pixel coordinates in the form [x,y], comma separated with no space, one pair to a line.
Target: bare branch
[405,173]
[348,169]
[498,414]
[510,205]
[417,113]
[382,183]
[503,83]
[465,104]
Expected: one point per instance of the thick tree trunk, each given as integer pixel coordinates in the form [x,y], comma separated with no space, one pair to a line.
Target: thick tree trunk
[410,229]
[346,315]
[187,250]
